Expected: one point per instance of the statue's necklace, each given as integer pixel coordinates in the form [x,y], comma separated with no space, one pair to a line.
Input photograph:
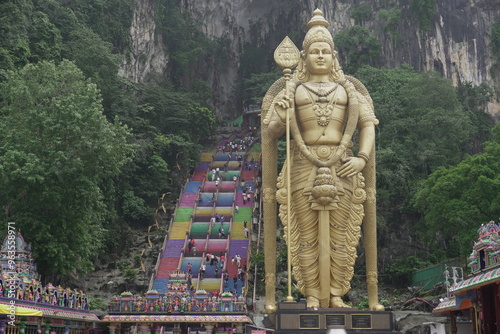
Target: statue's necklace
[323,108]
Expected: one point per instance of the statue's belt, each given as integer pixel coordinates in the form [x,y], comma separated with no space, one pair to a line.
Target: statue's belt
[322,152]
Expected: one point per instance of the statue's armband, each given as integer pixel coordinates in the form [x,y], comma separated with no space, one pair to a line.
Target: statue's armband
[366,116]
[366,121]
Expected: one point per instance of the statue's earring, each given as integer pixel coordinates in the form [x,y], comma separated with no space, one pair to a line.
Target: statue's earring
[301,66]
[302,63]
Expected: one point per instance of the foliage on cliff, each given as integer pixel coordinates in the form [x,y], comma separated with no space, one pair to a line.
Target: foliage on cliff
[425,124]
[57,155]
[456,198]
[76,186]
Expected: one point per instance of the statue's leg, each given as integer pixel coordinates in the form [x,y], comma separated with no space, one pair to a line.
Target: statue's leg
[307,222]
[345,233]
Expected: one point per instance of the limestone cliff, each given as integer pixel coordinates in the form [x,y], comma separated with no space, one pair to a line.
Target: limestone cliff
[457,44]
[148,53]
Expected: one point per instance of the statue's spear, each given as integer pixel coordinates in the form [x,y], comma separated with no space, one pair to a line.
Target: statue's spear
[287,56]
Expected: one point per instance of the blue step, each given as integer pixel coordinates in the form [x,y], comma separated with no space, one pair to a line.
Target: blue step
[230,286]
[160,284]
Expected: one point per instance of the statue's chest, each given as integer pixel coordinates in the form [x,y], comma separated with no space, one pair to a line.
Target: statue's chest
[319,105]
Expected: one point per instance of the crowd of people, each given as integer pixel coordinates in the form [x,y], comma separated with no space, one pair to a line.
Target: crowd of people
[238,145]
[217,263]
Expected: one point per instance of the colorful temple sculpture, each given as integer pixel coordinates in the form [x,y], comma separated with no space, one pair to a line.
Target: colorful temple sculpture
[28,307]
[477,296]
[200,281]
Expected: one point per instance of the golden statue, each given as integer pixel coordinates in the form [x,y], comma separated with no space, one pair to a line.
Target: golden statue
[325,192]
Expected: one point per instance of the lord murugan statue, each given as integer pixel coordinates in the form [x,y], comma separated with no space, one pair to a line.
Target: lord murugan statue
[325,191]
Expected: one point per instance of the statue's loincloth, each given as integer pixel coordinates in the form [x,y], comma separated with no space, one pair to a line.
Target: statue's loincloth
[344,218]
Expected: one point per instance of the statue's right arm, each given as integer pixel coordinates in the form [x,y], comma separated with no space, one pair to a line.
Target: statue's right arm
[278,111]
[276,126]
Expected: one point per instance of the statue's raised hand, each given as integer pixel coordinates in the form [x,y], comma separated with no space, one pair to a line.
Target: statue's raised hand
[282,105]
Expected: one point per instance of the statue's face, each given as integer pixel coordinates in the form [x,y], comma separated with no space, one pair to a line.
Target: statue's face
[319,58]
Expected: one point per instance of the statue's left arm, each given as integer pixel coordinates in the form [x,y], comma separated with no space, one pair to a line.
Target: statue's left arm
[353,165]
[366,151]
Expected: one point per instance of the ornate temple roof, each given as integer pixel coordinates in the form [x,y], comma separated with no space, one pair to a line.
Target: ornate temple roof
[21,245]
[477,280]
[20,281]
[22,253]
[59,313]
[454,303]
[486,251]
[177,318]
[484,265]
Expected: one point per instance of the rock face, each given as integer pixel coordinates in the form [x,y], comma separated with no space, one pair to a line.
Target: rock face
[458,44]
[148,53]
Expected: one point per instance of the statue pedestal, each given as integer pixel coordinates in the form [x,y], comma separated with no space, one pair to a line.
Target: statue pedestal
[295,318]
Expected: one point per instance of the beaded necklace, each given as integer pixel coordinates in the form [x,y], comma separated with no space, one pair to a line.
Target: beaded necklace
[323,108]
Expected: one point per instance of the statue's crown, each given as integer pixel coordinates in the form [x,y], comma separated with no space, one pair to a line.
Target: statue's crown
[318,31]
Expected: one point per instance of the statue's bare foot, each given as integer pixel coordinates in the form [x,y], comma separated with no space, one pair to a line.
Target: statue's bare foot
[377,307]
[312,302]
[337,302]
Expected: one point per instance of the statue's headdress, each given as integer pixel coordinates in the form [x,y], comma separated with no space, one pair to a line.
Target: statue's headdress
[318,31]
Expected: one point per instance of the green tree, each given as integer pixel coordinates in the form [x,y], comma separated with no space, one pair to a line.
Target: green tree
[423,12]
[357,46]
[85,44]
[110,19]
[421,118]
[474,99]
[423,126]
[186,42]
[391,18]
[178,151]
[57,151]
[98,304]
[361,13]
[495,40]
[201,122]
[400,272]
[394,173]
[455,200]
[27,35]
[434,126]
[255,88]
[94,58]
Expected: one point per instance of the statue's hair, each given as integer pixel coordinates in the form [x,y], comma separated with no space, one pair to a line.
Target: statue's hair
[317,34]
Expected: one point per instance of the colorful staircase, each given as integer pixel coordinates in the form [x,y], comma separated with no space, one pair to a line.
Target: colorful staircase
[202,198]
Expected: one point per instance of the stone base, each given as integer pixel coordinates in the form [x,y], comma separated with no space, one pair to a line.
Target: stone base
[295,318]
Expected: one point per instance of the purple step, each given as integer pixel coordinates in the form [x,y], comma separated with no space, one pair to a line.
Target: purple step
[202,166]
[189,196]
[173,248]
[238,247]
[188,199]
